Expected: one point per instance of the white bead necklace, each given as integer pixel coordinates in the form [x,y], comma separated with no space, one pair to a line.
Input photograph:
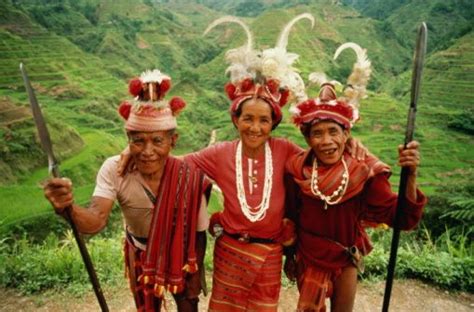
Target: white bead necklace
[339,192]
[254,214]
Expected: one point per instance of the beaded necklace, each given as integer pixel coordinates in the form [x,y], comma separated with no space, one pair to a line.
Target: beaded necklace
[254,214]
[339,192]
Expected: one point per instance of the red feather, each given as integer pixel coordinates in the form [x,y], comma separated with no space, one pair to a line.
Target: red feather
[297,120]
[135,87]
[306,107]
[177,104]
[124,109]
[165,85]
[246,85]
[285,94]
[230,90]
[273,85]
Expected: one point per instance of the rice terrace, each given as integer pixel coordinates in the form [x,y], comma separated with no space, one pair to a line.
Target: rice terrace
[80,56]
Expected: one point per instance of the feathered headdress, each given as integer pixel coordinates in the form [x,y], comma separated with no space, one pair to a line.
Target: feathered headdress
[268,75]
[356,83]
[277,62]
[149,111]
[344,110]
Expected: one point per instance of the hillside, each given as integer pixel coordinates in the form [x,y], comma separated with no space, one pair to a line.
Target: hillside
[447,20]
[80,55]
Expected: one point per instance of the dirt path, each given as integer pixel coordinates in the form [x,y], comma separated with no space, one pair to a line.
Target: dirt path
[407,295]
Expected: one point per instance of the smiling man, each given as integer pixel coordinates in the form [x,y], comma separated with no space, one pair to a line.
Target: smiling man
[161,197]
[338,196]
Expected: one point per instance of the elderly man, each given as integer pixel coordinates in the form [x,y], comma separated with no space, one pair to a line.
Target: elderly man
[338,197]
[161,197]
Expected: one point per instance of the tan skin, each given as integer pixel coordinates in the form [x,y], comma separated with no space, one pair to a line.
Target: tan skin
[149,151]
[327,139]
[255,126]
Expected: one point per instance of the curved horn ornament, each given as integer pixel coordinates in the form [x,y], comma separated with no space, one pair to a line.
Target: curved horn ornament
[358,79]
[243,60]
[283,38]
[277,62]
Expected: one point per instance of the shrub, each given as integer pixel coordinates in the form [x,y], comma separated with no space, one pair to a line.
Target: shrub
[56,264]
[447,263]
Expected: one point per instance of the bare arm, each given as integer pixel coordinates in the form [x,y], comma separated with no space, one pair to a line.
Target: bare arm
[89,220]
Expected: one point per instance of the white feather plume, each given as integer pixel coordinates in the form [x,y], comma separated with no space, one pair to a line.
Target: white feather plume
[277,62]
[318,78]
[283,38]
[357,81]
[153,76]
[232,19]
[243,60]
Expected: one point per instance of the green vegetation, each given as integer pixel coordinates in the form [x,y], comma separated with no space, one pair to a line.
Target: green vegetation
[80,55]
[446,262]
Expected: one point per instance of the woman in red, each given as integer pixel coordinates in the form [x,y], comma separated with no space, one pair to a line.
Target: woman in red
[339,194]
[250,171]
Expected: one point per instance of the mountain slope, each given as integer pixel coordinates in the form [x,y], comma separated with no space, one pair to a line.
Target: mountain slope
[80,55]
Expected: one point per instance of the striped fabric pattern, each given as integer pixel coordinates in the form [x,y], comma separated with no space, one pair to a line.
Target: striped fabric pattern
[246,276]
[314,286]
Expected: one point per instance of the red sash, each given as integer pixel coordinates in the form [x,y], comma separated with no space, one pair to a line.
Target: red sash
[329,178]
[170,252]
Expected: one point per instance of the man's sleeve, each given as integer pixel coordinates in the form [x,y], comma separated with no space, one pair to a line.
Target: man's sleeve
[107,180]
[382,204]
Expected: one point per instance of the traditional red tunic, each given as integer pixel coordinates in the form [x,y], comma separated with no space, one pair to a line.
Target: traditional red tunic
[325,234]
[246,275]
[218,162]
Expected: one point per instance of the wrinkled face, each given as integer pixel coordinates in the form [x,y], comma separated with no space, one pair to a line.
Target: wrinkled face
[327,139]
[149,150]
[254,124]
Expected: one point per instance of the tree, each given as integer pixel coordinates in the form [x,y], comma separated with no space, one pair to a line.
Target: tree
[249,8]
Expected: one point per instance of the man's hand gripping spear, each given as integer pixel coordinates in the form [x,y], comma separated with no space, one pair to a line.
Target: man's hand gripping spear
[415,90]
[54,171]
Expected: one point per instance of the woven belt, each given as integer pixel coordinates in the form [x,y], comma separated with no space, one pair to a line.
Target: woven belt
[248,239]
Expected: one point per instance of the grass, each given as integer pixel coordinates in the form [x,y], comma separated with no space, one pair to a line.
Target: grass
[80,83]
[25,201]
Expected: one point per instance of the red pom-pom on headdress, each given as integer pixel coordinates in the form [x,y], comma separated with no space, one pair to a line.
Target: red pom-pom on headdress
[246,85]
[177,104]
[285,94]
[230,90]
[306,107]
[135,87]
[165,85]
[273,85]
[124,109]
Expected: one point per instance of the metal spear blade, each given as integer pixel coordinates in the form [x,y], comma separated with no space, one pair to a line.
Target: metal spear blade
[418,61]
[40,124]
